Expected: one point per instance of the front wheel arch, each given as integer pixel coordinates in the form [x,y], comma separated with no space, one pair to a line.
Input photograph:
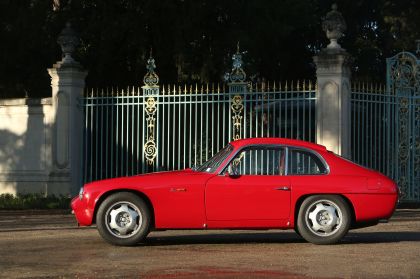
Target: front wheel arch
[137,193]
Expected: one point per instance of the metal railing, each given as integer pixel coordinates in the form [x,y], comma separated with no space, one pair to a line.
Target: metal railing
[373,127]
[134,131]
[385,135]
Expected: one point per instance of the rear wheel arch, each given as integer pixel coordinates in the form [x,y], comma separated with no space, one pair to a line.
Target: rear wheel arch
[303,197]
[141,195]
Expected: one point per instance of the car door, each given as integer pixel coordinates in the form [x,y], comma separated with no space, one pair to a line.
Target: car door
[252,191]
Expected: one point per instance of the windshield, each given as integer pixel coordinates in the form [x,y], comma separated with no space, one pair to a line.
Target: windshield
[214,162]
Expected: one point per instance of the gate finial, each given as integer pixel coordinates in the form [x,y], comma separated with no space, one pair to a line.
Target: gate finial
[237,74]
[151,78]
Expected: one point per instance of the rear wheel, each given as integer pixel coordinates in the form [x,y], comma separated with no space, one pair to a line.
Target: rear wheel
[297,231]
[323,219]
[123,219]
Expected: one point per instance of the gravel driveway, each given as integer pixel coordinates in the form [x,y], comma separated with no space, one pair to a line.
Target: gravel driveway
[39,245]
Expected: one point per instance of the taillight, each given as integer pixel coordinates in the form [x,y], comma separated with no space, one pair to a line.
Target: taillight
[374,183]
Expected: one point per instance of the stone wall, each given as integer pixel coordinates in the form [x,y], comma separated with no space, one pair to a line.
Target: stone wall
[25,145]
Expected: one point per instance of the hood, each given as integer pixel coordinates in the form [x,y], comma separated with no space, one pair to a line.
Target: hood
[155,179]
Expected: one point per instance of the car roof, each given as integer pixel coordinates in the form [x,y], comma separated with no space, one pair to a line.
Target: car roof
[279,141]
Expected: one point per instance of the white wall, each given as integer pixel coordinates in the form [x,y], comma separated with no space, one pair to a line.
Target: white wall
[25,146]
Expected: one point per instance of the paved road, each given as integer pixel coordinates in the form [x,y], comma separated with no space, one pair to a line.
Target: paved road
[39,246]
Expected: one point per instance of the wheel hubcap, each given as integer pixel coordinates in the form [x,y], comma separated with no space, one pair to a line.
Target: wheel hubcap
[323,218]
[123,219]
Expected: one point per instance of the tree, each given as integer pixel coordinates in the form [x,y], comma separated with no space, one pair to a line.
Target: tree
[193,40]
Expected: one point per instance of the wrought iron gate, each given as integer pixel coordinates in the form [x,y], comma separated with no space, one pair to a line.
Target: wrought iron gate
[403,73]
[386,125]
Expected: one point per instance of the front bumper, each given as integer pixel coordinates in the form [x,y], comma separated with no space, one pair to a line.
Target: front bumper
[83,213]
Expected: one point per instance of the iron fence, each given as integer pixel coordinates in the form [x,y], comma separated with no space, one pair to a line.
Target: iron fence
[372,128]
[152,128]
[140,130]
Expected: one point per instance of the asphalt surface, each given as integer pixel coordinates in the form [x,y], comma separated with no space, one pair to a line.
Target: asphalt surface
[39,245]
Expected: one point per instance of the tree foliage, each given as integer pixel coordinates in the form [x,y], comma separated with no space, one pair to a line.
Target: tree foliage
[193,40]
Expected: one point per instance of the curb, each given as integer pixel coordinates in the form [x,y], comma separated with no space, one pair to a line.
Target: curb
[6,212]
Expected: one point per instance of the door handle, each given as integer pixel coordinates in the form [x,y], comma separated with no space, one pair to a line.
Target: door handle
[283,188]
[178,190]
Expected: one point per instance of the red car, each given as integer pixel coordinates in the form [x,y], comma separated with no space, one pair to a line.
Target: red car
[259,183]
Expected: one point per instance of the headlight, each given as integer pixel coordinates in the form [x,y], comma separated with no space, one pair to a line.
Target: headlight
[81,193]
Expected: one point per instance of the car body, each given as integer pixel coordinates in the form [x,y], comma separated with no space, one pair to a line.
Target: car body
[258,183]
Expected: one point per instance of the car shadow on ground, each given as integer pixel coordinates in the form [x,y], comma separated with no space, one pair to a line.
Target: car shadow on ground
[402,215]
[225,238]
[380,237]
[75,227]
[273,237]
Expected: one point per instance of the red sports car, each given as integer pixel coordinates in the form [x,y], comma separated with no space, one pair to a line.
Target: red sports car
[259,183]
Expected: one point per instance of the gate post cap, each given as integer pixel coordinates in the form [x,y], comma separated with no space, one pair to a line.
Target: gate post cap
[68,40]
[334,27]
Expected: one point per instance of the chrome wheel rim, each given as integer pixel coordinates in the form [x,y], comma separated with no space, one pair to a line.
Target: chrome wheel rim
[323,218]
[123,219]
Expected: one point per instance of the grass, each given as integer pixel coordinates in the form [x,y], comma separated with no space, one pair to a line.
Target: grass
[33,201]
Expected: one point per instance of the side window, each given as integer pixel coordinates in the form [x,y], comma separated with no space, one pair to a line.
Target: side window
[258,161]
[301,162]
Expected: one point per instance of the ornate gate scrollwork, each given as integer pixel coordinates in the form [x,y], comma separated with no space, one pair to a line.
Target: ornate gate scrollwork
[237,84]
[150,150]
[237,108]
[403,148]
[404,83]
[151,88]
[417,145]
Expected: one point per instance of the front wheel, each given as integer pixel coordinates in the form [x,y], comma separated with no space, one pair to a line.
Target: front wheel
[123,219]
[324,219]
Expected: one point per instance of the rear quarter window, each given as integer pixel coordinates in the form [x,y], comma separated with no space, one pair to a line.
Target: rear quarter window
[303,162]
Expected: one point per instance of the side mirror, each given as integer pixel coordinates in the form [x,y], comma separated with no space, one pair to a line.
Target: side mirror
[231,172]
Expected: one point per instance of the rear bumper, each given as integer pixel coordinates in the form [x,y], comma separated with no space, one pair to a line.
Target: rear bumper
[373,207]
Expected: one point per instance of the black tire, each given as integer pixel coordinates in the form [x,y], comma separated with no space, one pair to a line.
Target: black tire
[123,219]
[332,219]
[297,231]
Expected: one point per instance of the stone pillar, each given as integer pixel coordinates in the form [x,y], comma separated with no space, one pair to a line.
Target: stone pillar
[333,91]
[67,82]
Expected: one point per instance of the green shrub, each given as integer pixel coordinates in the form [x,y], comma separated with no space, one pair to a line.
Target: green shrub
[33,201]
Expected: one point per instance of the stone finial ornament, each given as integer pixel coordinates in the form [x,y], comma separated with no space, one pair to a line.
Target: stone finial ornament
[151,78]
[334,26]
[68,40]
